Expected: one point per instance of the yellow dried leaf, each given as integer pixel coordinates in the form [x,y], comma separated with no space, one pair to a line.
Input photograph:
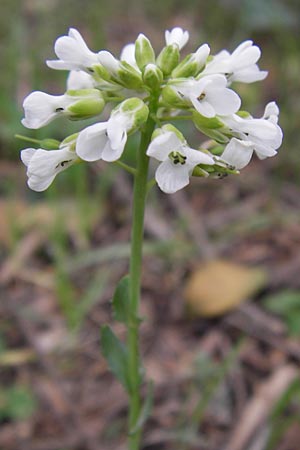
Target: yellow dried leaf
[219,286]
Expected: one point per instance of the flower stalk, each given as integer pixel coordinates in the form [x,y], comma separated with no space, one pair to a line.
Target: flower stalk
[138,211]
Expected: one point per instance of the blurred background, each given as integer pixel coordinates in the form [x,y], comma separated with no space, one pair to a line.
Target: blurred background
[221,286]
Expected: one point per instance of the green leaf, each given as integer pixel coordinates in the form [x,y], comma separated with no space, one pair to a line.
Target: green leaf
[284,302]
[287,305]
[116,355]
[145,411]
[120,301]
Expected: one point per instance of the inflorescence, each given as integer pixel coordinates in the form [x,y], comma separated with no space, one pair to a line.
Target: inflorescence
[196,88]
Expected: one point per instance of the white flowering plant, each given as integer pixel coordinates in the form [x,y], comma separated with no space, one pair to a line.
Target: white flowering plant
[146,94]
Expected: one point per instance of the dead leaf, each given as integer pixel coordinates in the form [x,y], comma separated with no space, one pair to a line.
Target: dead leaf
[219,286]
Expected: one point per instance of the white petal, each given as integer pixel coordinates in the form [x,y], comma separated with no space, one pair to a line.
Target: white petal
[91,142]
[26,155]
[224,101]
[238,153]
[195,157]
[108,61]
[170,177]
[264,151]
[249,74]
[62,65]
[116,133]
[128,55]
[203,107]
[45,163]
[40,184]
[242,47]
[177,36]
[113,153]
[245,58]
[271,111]
[162,145]
[40,108]
[78,79]
[73,52]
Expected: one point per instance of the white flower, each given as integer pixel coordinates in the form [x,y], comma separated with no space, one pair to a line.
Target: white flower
[108,61]
[105,140]
[44,165]
[177,36]
[128,55]
[78,79]
[73,53]
[239,65]
[271,112]
[262,136]
[41,108]
[178,161]
[209,95]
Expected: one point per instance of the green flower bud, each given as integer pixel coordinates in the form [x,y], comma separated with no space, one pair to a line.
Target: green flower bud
[152,76]
[167,128]
[49,144]
[168,59]
[135,109]
[100,73]
[90,103]
[144,53]
[192,64]
[129,76]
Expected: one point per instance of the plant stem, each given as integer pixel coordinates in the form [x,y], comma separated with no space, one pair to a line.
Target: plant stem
[139,201]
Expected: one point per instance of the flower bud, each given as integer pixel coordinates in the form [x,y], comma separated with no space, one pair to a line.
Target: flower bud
[168,58]
[165,129]
[89,103]
[129,76]
[134,110]
[49,144]
[192,64]
[152,76]
[144,53]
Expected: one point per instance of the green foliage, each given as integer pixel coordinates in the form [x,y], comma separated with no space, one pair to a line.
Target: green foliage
[280,420]
[116,355]
[286,304]
[16,403]
[120,300]
[145,411]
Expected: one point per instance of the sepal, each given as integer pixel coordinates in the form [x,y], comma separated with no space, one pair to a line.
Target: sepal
[152,76]
[144,53]
[168,59]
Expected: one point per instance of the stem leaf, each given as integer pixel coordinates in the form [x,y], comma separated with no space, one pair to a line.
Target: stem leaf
[116,355]
[120,301]
[145,411]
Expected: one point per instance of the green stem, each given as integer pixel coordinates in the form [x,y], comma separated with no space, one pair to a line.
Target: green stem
[126,167]
[27,139]
[139,201]
[173,118]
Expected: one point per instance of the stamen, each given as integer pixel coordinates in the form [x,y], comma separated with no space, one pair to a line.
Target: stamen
[59,109]
[177,158]
[201,96]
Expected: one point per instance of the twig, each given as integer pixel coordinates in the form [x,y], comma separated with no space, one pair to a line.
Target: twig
[259,408]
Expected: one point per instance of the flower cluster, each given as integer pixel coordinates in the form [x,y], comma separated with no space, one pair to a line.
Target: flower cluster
[163,88]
